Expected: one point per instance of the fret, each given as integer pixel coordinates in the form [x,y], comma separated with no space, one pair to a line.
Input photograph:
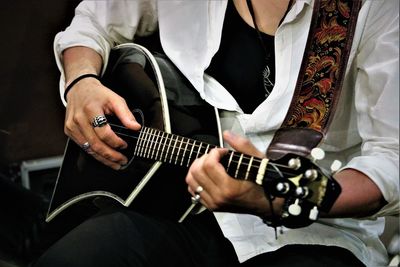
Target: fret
[173,149]
[142,133]
[207,148]
[168,146]
[151,142]
[159,146]
[184,151]
[157,135]
[249,168]
[179,150]
[198,151]
[238,165]
[163,146]
[191,151]
[146,140]
[142,141]
[230,161]
[137,148]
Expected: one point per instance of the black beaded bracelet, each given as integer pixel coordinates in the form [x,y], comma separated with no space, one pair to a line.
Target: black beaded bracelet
[83,76]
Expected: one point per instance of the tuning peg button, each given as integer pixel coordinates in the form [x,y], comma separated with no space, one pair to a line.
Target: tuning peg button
[313,214]
[295,209]
[336,165]
[317,153]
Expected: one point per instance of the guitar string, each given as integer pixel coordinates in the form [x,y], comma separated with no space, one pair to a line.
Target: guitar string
[202,145]
[165,156]
[149,145]
[242,169]
[172,137]
[152,136]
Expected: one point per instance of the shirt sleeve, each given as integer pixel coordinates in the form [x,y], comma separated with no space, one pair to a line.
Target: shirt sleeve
[377,96]
[100,25]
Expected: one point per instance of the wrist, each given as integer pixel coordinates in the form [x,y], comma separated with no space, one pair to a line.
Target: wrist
[79,78]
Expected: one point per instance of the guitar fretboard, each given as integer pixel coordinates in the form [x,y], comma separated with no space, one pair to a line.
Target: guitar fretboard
[174,149]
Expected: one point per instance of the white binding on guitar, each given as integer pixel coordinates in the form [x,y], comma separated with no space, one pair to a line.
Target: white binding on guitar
[291,176]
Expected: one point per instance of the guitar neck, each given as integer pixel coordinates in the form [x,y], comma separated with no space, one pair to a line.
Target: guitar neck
[174,149]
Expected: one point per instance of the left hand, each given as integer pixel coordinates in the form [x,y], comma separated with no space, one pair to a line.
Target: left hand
[221,192]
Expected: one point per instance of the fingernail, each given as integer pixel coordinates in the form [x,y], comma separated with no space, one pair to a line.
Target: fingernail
[124,146]
[134,124]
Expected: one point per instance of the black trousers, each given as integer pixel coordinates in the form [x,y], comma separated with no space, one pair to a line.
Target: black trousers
[125,238]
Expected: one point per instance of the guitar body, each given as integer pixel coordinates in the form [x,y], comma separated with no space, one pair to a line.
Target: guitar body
[163,149]
[146,185]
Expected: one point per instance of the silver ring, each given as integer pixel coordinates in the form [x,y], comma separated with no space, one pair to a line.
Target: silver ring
[196,199]
[199,189]
[86,146]
[99,121]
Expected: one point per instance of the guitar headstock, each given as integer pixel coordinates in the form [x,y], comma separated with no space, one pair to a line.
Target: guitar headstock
[306,187]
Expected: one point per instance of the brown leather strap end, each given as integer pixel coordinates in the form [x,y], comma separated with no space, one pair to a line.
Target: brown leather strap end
[293,140]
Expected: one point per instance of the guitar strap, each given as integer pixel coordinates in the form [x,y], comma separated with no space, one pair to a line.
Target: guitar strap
[320,78]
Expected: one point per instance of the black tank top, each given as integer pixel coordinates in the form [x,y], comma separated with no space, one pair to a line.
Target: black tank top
[240,61]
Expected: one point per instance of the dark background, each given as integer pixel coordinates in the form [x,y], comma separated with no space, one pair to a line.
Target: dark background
[31,118]
[31,113]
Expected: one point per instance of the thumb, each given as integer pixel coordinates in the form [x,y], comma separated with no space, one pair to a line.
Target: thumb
[242,144]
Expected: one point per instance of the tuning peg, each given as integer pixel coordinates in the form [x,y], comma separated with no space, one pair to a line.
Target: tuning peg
[317,154]
[336,165]
[282,187]
[311,174]
[295,209]
[302,192]
[294,163]
[313,214]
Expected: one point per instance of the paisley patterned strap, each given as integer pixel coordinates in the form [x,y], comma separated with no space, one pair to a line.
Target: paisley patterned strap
[320,78]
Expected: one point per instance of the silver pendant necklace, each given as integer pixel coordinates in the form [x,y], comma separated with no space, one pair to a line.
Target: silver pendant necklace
[268,84]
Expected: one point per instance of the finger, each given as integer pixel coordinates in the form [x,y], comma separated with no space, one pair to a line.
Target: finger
[105,161]
[79,139]
[213,169]
[197,175]
[106,152]
[195,190]
[98,146]
[227,190]
[122,111]
[242,144]
[108,136]
[205,198]
[77,136]
[103,131]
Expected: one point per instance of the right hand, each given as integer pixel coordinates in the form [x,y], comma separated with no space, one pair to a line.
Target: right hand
[87,99]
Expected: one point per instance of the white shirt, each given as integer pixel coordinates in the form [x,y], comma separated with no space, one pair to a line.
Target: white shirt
[364,132]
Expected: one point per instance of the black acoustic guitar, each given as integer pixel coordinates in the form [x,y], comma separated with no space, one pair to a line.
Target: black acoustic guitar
[161,152]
